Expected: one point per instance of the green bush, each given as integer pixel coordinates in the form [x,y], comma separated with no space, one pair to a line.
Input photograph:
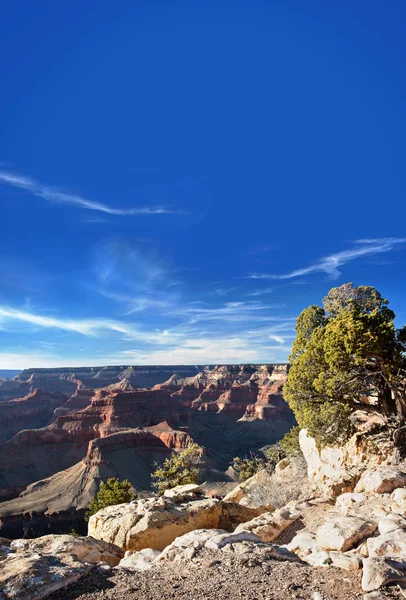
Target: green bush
[112,492]
[267,460]
[179,469]
[290,442]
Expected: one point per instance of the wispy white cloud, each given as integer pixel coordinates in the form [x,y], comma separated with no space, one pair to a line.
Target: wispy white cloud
[55,195]
[330,264]
[86,327]
[220,350]
[232,312]
[222,291]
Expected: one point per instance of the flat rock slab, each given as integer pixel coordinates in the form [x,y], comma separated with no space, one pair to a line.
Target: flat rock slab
[198,546]
[381,571]
[343,532]
[391,522]
[32,569]
[381,480]
[85,549]
[392,544]
[33,576]
[269,526]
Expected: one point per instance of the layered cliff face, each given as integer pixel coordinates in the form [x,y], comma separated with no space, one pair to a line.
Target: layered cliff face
[32,411]
[57,503]
[227,410]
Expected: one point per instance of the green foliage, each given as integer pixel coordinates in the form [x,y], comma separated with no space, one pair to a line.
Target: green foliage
[290,442]
[74,532]
[178,469]
[112,492]
[247,467]
[343,353]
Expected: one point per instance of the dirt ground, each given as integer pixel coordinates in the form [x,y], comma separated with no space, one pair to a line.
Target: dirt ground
[221,580]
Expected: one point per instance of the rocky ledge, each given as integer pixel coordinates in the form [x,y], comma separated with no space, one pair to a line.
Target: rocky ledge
[323,538]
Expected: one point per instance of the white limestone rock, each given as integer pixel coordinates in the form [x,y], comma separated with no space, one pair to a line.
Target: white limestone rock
[35,568]
[391,522]
[381,480]
[392,543]
[85,549]
[398,498]
[380,571]
[343,532]
[269,526]
[138,561]
[154,522]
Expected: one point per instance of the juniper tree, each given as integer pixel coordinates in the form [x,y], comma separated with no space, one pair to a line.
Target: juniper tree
[179,469]
[344,353]
[112,492]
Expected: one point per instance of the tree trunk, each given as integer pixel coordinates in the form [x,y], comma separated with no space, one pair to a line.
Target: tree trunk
[399,440]
[387,401]
[400,399]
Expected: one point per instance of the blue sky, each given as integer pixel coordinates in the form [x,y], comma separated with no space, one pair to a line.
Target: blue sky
[178,180]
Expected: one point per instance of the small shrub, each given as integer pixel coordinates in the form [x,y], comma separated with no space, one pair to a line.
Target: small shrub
[178,469]
[290,442]
[110,493]
[247,467]
[74,532]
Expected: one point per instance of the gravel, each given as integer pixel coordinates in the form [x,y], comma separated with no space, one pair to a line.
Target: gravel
[215,579]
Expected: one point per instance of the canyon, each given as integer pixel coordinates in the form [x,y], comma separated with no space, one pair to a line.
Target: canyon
[62,431]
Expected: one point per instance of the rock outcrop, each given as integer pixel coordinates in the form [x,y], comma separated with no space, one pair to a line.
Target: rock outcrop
[361,529]
[33,569]
[334,471]
[153,523]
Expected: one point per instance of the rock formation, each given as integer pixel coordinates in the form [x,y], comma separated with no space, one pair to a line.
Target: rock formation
[33,411]
[359,528]
[59,502]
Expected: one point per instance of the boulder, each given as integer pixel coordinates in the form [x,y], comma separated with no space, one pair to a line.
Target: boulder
[380,571]
[349,502]
[199,546]
[85,549]
[180,493]
[269,526]
[398,498]
[35,576]
[339,560]
[343,532]
[328,469]
[305,546]
[381,480]
[35,568]
[392,543]
[391,522]
[154,522]
[372,506]
[138,561]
